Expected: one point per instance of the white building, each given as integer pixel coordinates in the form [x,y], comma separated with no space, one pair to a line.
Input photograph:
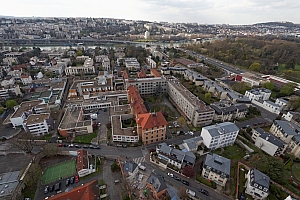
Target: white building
[26,80]
[268,105]
[257,184]
[121,134]
[216,168]
[147,35]
[281,102]
[151,62]
[132,64]
[8,82]
[87,68]
[38,124]
[258,94]
[192,144]
[219,135]
[268,142]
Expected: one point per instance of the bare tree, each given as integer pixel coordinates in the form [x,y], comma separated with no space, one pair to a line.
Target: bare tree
[25,144]
[51,150]
[182,193]
[33,174]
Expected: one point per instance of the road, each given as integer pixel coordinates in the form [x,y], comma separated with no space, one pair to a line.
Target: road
[214,62]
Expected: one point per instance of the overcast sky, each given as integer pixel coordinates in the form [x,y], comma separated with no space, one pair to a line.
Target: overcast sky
[200,11]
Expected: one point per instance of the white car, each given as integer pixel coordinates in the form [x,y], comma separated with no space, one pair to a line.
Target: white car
[171,175]
[191,133]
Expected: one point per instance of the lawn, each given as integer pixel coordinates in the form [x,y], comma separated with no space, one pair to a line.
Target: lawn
[296,170]
[61,170]
[231,152]
[85,139]
[164,108]
[281,68]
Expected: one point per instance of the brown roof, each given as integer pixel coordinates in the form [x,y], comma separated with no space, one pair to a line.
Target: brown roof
[125,74]
[142,74]
[82,160]
[136,101]
[88,191]
[155,72]
[151,120]
[184,61]
[36,118]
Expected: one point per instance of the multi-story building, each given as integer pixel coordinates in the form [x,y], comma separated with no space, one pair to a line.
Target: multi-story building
[157,186]
[136,101]
[26,79]
[38,124]
[132,64]
[87,68]
[268,105]
[104,60]
[250,78]
[174,156]
[123,134]
[268,142]
[219,135]
[227,111]
[147,86]
[284,130]
[294,146]
[10,92]
[190,106]
[216,168]
[281,102]
[151,127]
[258,94]
[257,184]
[151,62]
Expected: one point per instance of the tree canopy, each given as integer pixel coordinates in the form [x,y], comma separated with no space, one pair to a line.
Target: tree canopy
[287,89]
[11,104]
[269,85]
[255,67]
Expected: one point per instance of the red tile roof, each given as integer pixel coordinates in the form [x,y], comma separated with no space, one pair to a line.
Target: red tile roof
[155,72]
[151,120]
[24,76]
[88,191]
[82,160]
[142,74]
[125,74]
[136,101]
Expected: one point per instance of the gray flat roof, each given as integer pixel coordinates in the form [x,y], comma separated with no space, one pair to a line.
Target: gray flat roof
[218,163]
[270,138]
[222,128]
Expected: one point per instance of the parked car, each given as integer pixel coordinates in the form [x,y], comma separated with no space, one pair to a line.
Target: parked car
[57,187]
[177,178]
[152,150]
[65,145]
[85,146]
[119,145]
[124,145]
[71,145]
[59,145]
[204,192]
[77,146]
[95,147]
[185,182]
[51,188]
[190,192]
[67,182]
[72,180]
[171,175]
[76,179]
[46,190]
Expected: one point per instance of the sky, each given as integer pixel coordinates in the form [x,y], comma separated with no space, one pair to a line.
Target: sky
[195,11]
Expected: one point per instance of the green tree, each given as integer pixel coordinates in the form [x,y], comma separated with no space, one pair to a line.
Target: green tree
[1,110]
[11,104]
[294,103]
[241,87]
[256,66]
[79,53]
[287,89]
[207,96]
[181,121]
[51,150]
[269,85]
[115,167]
[291,64]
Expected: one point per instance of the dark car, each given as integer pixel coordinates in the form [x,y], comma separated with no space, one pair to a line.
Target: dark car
[67,182]
[124,145]
[185,182]
[95,147]
[177,178]
[77,146]
[72,180]
[51,188]
[46,190]
[57,187]
[65,145]
[203,192]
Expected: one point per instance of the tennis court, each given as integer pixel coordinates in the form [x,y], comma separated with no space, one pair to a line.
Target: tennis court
[61,170]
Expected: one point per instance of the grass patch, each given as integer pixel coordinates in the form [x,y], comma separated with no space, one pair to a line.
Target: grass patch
[205,182]
[85,139]
[296,170]
[193,128]
[231,152]
[167,112]
[128,123]
[289,164]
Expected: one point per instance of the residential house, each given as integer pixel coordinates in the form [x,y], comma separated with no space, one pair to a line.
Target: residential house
[268,142]
[216,168]
[294,146]
[257,184]
[26,79]
[83,166]
[258,94]
[129,170]
[179,159]
[284,130]
[268,105]
[87,191]
[8,81]
[157,186]
[219,135]
[281,102]
[151,127]
[192,144]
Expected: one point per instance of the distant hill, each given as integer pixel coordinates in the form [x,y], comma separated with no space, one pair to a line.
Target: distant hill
[287,24]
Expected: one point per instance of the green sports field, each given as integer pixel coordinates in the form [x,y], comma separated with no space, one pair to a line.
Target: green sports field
[60,170]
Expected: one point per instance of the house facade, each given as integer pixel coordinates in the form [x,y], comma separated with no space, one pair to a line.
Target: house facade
[216,168]
[257,184]
[284,130]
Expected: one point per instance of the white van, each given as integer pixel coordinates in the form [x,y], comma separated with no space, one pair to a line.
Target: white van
[190,192]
